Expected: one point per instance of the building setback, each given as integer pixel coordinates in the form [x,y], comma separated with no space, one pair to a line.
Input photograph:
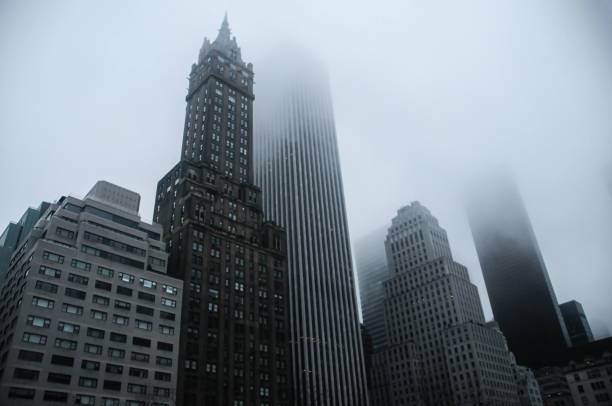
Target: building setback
[89,315]
[298,169]
[15,233]
[576,322]
[234,338]
[521,294]
[439,349]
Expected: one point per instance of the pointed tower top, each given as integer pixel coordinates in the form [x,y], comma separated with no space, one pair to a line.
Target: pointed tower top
[224,31]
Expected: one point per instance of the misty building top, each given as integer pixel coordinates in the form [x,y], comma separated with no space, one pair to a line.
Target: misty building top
[116,196]
[225,44]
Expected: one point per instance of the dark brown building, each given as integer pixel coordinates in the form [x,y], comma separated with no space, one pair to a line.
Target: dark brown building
[234,341]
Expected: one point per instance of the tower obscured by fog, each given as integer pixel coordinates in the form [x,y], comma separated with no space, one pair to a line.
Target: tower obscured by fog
[521,295]
[371,264]
[439,349]
[298,169]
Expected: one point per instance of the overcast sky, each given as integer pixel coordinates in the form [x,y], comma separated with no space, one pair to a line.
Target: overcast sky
[427,94]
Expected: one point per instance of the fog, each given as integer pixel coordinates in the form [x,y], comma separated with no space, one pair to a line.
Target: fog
[427,96]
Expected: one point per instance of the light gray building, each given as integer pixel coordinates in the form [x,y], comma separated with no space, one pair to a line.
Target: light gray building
[89,316]
[440,350]
[298,170]
[528,387]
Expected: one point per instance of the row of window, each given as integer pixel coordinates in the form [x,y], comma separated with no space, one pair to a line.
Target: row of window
[95,349]
[83,399]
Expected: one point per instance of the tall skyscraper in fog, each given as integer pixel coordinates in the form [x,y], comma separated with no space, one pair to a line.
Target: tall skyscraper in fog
[298,169]
[521,294]
[234,333]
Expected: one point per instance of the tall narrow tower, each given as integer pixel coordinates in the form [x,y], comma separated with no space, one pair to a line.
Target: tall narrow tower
[298,168]
[521,295]
[234,333]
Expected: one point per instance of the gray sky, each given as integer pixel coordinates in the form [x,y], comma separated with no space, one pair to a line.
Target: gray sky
[427,94]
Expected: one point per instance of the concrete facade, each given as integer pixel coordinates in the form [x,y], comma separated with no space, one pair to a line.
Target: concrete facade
[89,315]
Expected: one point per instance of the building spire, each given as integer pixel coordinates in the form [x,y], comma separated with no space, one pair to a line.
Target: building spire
[224,31]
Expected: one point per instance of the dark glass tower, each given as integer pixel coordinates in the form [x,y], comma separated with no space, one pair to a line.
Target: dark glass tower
[521,295]
[234,333]
[576,322]
[298,168]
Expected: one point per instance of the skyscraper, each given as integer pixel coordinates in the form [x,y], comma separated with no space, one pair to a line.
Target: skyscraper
[89,316]
[439,349]
[371,264]
[298,168]
[15,233]
[576,322]
[234,334]
[521,295]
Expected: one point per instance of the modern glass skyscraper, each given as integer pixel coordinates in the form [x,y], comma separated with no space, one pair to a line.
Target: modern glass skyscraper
[577,324]
[521,295]
[298,169]
[234,335]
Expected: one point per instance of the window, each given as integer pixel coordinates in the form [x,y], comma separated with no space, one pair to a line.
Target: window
[33,356]
[146,296]
[105,272]
[126,277]
[122,290]
[68,328]
[142,342]
[166,316]
[55,377]
[116,353]
[54,396]
[52,272]
[72,309]
[144,310]
[88,382]
[82,265]
[85,400]
[95,333]
[162,376]
[136,388]
[118,338]
[93,349]
[34,338]
[170,290]
[64,344]
[103,285]
[78,279]
[26,374]
[144,325]
[162,346]
[163,392]
[46,286]
[168,302]
[139,373]
[98,315]
[114,369]
[21,393]
[75,293]
[149,284]
[163,361]
[52,257]
[100,300]
[167,330]
[120,304]
[110,402]
[121,320]
[36,321]
[90,365]
[139,356]
[62,360]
